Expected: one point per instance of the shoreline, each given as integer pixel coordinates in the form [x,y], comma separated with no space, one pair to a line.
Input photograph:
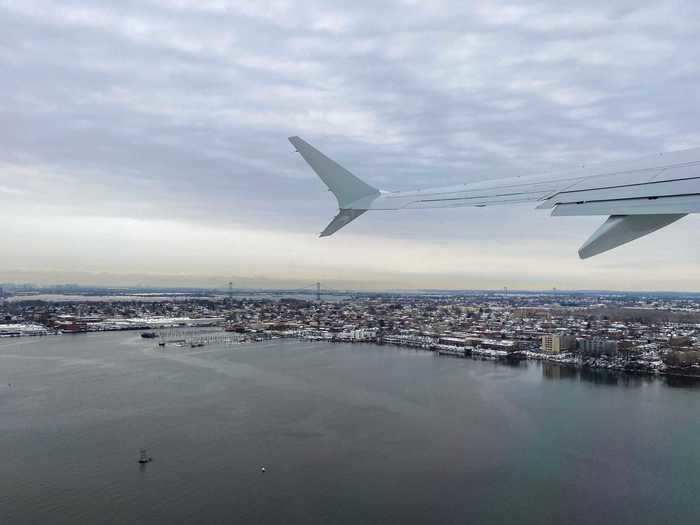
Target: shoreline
[565,360]
[655,368]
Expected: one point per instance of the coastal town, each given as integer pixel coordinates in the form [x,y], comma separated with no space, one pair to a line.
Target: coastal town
[657,334]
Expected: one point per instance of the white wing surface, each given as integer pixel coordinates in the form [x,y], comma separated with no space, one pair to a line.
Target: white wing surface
[640,196]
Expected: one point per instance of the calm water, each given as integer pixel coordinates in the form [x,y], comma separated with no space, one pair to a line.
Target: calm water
[348,434]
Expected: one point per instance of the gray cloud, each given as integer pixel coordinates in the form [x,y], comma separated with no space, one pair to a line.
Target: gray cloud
[179,110]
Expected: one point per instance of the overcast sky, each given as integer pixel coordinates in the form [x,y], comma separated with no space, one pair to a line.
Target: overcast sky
[145,141]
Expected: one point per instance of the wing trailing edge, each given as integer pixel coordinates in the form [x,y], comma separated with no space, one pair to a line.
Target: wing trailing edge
[644,206]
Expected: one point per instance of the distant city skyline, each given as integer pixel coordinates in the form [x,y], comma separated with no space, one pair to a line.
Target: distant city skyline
[145,142]
[106,281]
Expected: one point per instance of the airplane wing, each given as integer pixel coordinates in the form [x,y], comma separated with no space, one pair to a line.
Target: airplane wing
[639,196]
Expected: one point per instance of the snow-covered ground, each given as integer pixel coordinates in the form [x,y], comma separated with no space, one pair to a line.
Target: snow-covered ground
[20,329]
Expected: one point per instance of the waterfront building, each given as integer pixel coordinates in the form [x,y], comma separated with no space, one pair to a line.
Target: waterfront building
[682,358]
[677,341]
[453,341]
[555,343]
[597,346]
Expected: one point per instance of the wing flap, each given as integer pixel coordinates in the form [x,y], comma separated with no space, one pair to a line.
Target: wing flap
[636,191]
[645,206]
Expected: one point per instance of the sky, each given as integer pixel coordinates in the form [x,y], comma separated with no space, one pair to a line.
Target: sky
[145,141]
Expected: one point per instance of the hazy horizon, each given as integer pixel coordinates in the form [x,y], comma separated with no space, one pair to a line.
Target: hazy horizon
[242,284]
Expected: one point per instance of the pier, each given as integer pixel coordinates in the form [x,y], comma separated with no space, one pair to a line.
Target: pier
[198,337]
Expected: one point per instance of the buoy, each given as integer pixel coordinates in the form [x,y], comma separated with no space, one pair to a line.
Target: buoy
[262,470]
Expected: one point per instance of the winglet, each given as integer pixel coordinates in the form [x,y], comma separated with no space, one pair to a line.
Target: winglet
[346,187]
[352,193]
[343,218]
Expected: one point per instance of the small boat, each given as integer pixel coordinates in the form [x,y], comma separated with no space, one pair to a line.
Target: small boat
[162,343]
[149,335]
[144,457]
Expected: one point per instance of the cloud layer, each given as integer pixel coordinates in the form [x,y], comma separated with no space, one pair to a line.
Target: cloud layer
[171,117]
